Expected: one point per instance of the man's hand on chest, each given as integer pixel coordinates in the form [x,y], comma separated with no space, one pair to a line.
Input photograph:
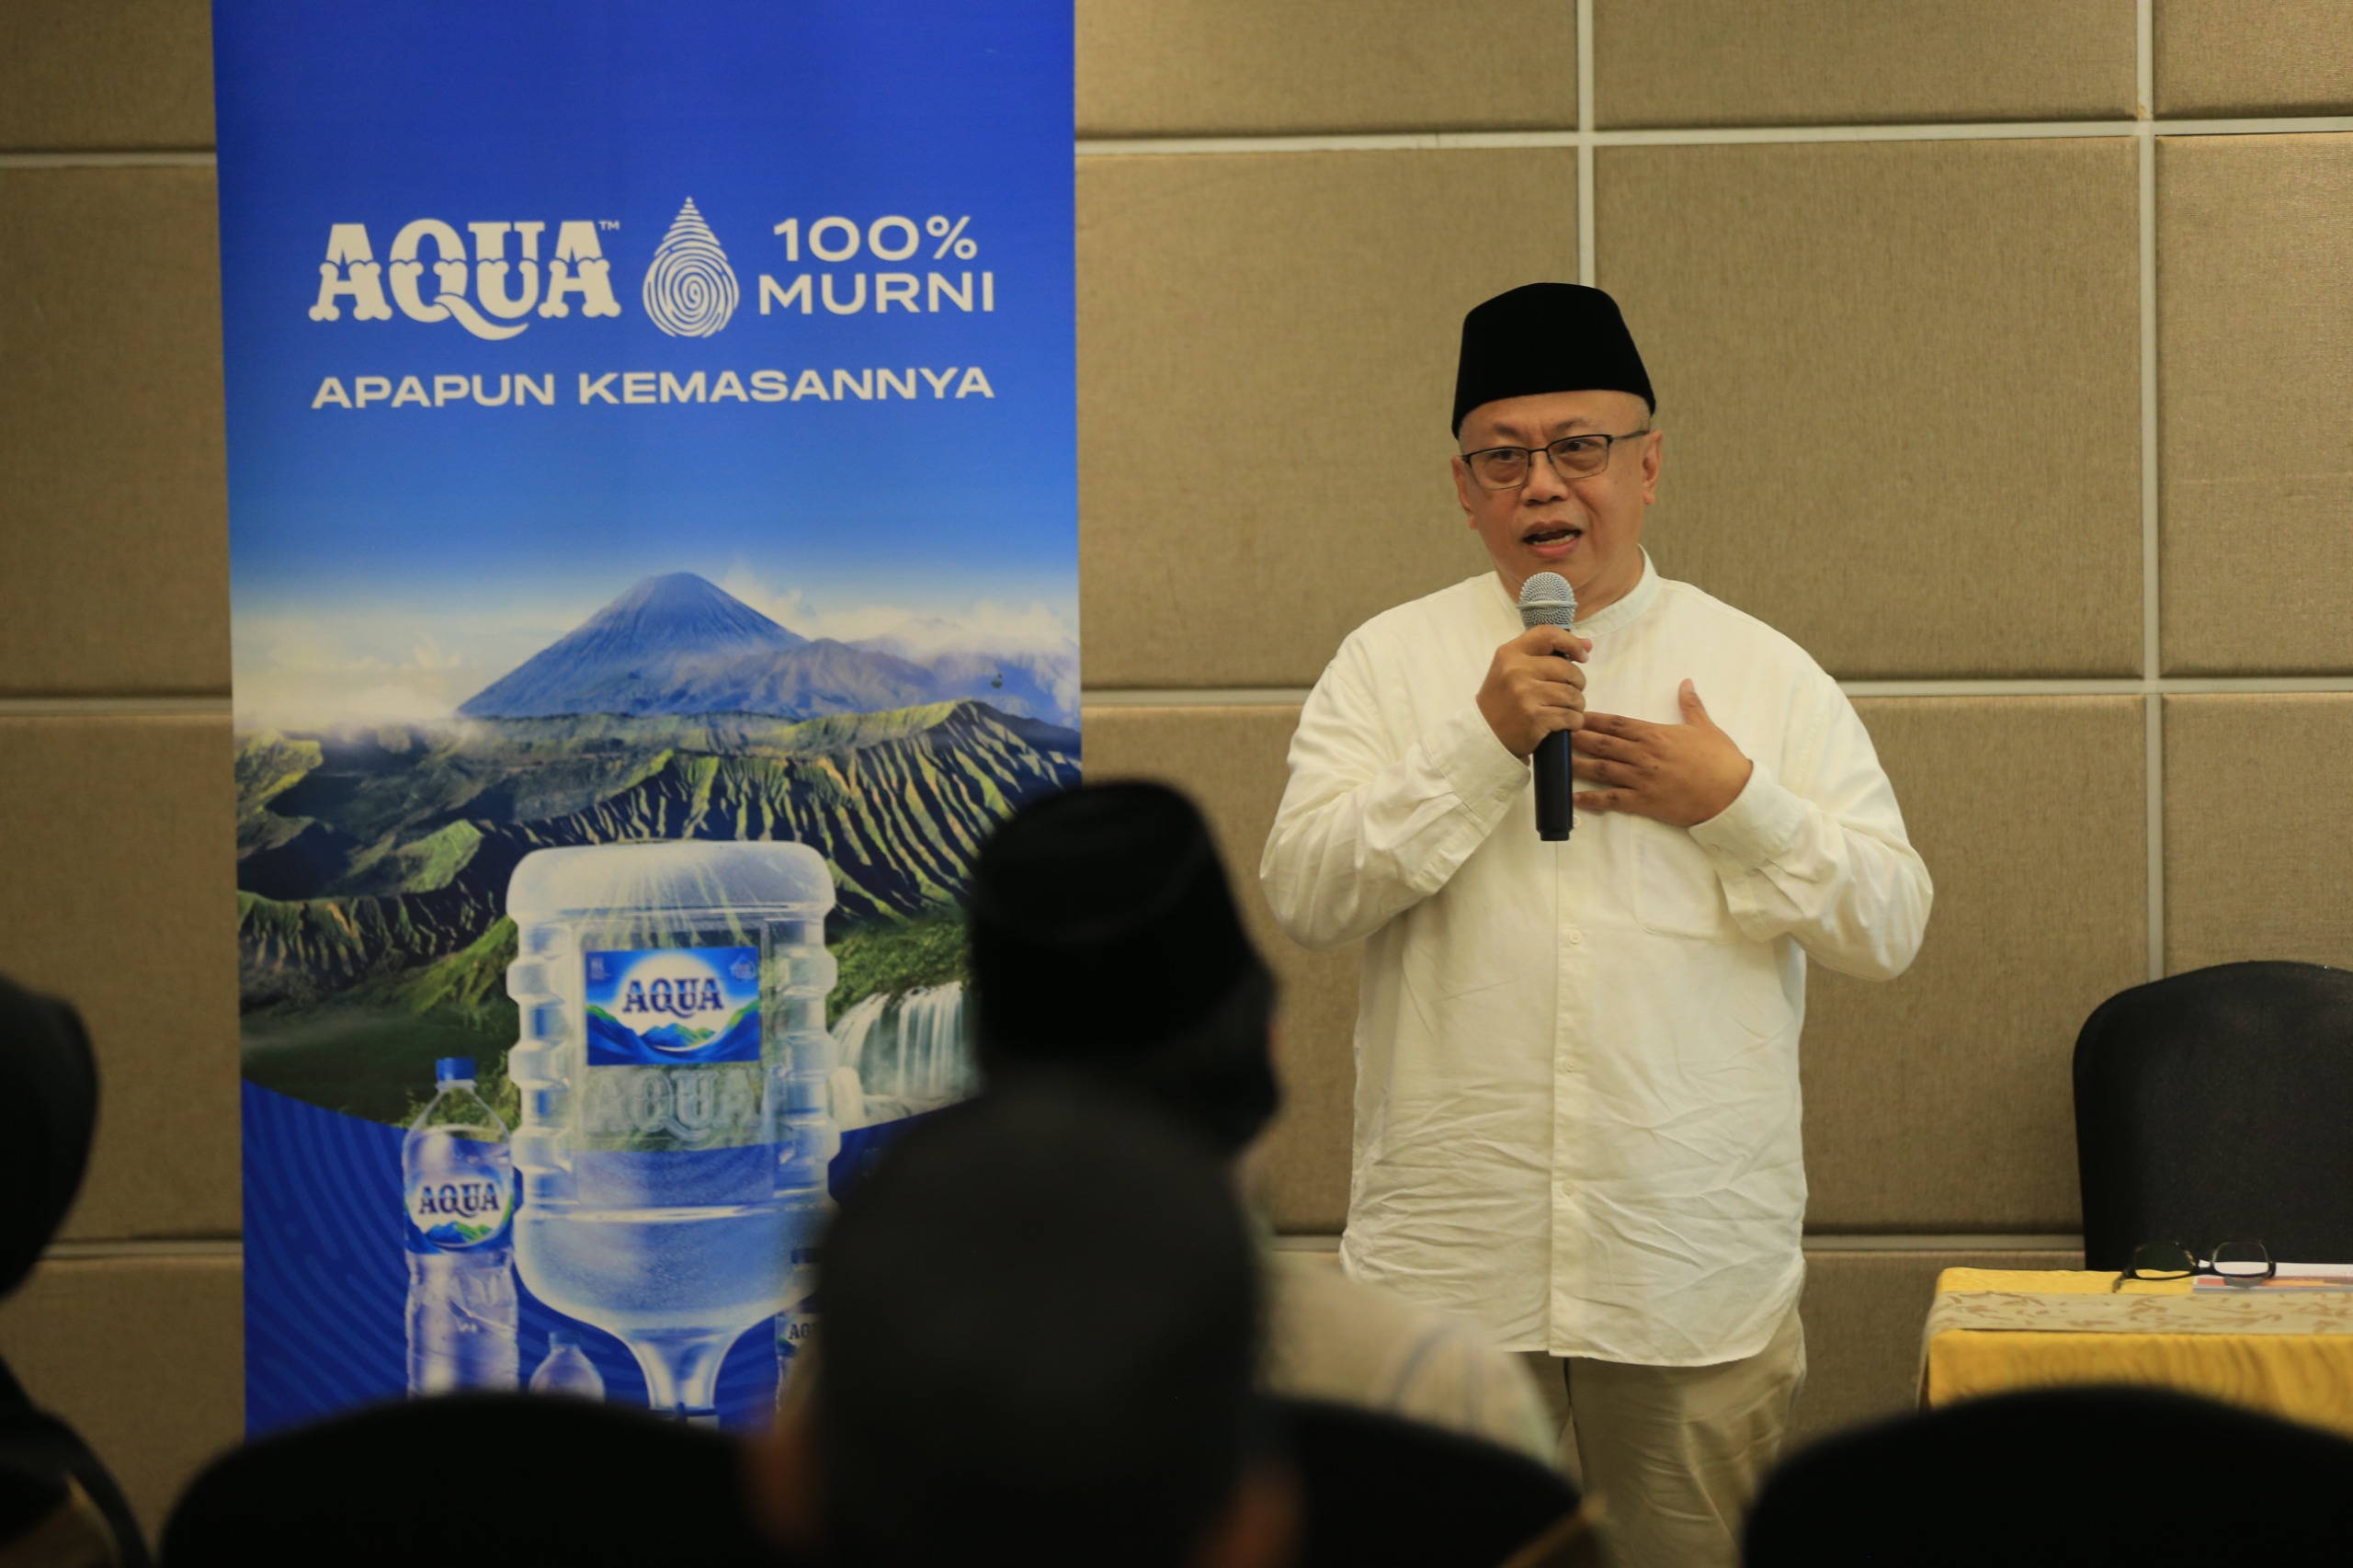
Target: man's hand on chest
[1679,774]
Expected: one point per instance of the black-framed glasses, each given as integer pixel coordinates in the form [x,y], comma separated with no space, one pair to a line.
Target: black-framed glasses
[1572,457]
[2235,1263]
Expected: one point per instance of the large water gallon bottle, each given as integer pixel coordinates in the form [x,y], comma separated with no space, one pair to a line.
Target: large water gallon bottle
[460,1187]
[674,1066]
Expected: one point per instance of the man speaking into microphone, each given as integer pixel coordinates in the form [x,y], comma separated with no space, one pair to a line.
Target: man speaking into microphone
[1576,1092]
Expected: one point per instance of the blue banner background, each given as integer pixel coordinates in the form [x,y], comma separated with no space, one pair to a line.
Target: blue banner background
[759,112]
[391,561]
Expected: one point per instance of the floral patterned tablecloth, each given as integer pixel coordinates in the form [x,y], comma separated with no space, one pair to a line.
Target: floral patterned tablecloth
[2286,1351]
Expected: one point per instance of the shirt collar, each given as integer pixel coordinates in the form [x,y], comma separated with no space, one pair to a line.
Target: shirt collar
[1625,612]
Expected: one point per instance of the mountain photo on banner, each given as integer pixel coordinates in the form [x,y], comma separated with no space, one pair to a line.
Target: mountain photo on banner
[373,851]
[680,644]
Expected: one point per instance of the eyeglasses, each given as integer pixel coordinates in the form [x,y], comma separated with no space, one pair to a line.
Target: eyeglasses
[1572,457]
[2236,1262]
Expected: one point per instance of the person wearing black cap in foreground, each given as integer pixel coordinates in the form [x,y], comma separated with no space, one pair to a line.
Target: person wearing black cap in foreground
[58,1504]
[1578,1061]
[1106,941]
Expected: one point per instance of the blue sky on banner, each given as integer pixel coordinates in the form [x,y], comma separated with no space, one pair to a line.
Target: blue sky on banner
[880,430]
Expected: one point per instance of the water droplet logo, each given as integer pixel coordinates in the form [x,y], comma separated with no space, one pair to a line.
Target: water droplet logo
[689,290]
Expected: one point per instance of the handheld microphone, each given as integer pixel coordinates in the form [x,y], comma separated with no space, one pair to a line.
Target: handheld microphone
[1546,599]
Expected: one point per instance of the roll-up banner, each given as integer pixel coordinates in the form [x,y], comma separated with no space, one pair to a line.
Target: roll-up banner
[654,527]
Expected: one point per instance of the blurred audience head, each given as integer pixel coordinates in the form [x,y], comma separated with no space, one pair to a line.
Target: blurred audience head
[48,1108]
[1106,941]
[1040,1320]
[2061,1476]
[520,1480]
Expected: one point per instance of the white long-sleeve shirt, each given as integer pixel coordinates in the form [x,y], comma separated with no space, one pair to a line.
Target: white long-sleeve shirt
[1577,1098]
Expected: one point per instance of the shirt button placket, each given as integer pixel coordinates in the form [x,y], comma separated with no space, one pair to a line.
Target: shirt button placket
[1568,970]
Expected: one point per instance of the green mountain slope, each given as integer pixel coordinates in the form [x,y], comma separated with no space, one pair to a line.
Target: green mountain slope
[372,870]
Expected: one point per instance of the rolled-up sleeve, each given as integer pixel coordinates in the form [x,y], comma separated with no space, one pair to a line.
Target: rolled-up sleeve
[1824,858]
[1369,826]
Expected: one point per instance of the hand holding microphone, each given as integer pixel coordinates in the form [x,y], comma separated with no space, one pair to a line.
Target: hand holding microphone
[1534,694]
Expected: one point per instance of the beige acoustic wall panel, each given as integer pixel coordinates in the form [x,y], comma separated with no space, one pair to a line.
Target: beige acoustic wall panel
[1863,1313]
[1231,761]
[143,1356]
[2255,386]
[2254,57]
[1685,62]
[1900,384]
[113,488]
[1267,348]
[119,897]
[1223,67]
[1941,1101]
[2258,829]
[105,75]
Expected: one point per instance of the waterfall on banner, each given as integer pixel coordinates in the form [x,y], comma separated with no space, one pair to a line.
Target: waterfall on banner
[901,1054]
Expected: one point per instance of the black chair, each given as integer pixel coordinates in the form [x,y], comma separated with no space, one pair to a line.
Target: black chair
[2214,1106]
[524,1480]
[1379,1490]
[2072,1476]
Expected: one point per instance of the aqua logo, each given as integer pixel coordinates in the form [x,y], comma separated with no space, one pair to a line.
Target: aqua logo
[457,1214]
[680,999]
[465,1199]
[690,290]
[506,287]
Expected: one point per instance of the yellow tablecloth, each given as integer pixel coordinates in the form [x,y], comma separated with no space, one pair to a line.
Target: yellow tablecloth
[2290,1353]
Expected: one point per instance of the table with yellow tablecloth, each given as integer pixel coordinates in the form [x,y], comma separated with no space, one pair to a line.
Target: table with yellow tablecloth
[2284,1351]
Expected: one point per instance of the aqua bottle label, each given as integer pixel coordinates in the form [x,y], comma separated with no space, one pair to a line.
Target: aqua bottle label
[462,1209]
[674,1048]
[657,1006]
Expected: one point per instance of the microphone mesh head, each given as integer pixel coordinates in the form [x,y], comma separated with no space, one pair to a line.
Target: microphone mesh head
[1546,599]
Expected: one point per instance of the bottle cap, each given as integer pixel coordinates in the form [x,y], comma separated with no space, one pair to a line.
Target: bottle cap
[559,1337]
[454,1070]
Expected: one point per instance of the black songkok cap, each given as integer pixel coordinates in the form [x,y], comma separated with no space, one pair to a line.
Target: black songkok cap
[1104,937]
[1546,337]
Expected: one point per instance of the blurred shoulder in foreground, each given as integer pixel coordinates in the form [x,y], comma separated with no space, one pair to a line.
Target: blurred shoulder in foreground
[1331,1337]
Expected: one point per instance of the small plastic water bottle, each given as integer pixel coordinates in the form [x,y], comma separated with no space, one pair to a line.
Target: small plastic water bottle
[567,1368]
[459,1183]
[797,1323]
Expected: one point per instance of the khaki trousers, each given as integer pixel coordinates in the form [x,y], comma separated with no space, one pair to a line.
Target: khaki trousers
[1672,1455]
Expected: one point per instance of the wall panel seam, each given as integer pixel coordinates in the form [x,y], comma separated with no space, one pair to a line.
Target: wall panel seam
[1587,265]
[96,160]
[1722,136]
[2123,685]
[2152,563]
[100,1251]
[112,707]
